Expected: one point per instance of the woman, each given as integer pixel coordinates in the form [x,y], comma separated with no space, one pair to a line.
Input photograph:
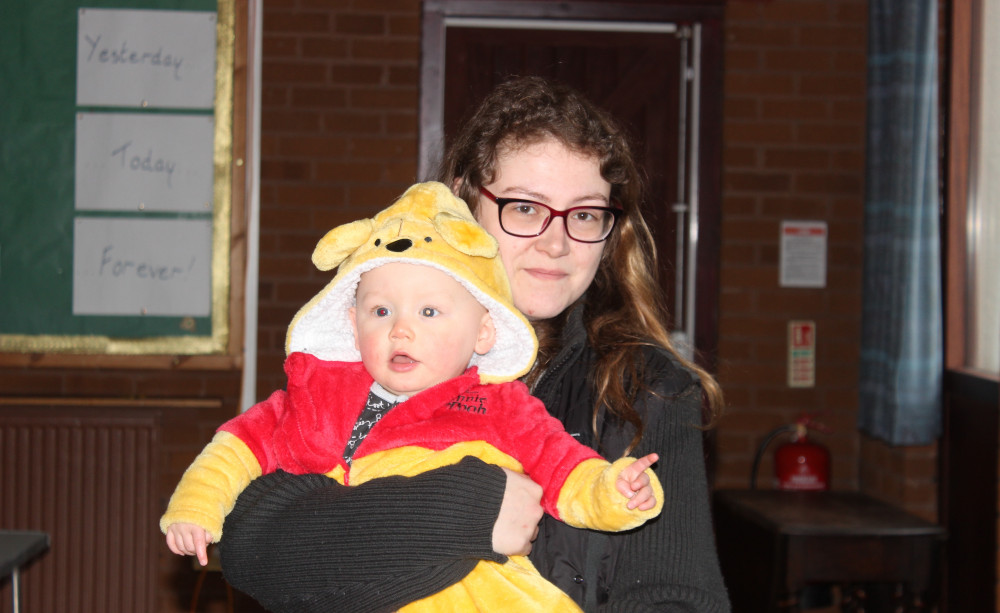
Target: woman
[537,163]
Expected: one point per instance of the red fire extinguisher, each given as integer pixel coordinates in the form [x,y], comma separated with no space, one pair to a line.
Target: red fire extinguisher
[799,464]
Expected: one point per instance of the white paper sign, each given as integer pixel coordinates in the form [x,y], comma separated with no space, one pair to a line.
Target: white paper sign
[160,59]
[803,254]
[152,162]
[142,267]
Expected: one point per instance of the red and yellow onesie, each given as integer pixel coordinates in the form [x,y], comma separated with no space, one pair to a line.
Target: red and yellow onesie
[305,429]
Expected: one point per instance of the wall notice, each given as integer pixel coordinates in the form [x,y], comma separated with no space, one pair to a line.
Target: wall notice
[145,58]
[142,267]
[801,354]
[148,162]
[803,254]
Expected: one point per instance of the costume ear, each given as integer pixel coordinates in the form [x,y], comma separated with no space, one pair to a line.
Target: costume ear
[465,235]
[341,242]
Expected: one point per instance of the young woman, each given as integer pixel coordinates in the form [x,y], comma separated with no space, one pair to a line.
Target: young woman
[536,162]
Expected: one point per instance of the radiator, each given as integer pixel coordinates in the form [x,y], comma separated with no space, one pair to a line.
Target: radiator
[88,476]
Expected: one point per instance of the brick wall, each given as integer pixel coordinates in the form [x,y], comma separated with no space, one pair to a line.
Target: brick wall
[794,149]
[339,140]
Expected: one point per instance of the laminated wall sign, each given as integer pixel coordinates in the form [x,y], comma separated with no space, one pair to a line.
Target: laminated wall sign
[801,354]
[803,254]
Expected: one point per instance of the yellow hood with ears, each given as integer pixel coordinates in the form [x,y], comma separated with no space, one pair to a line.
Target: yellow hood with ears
[427,225]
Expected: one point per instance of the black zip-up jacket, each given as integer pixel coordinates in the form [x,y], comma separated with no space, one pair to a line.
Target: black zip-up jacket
[306,543]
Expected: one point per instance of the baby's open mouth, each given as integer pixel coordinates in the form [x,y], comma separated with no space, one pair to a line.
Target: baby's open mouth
[402,358]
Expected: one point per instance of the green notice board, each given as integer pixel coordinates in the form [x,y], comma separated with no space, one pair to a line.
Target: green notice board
[114,192]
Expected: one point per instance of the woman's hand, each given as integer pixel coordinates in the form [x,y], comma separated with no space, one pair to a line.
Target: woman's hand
[517,524]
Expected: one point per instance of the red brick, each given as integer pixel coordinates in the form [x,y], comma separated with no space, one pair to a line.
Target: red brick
[356,74]
[372,24]
[319,98]
[796,13]
[739,206]
[384,98]
[831,135]
[743,59]
[298,22]
[293,72]
[854,61]
[402,123]
[391,50]
[741,107]
[793,206]
[763,85]
[776,158]
[404,76]
[409,7]
[314,147]
[802,60]
[836,86]
[830,36]
[740,156]
[739,35]
[829,183]
[384,147]
[352,121]
[754,229]
[852,10]
[316,48]
[404,25]
[737,254]
[292,121]
[795,109]
[757,181]
[349,170]
[280,46]
[791,302]
[286,170]
[758,132]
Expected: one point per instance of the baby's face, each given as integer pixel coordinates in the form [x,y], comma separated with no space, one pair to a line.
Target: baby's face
[416,327]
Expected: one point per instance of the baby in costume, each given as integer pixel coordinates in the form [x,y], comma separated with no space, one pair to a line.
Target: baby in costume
[407,361]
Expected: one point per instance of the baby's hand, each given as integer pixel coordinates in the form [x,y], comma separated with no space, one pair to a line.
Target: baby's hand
[633,483]
[189,540]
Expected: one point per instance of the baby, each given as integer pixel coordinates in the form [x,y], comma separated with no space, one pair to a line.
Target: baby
[405,362]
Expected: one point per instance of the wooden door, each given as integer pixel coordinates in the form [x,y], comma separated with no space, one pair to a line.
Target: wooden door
[650,69]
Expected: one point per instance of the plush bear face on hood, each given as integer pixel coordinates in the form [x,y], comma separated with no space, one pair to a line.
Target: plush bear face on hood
[428,226]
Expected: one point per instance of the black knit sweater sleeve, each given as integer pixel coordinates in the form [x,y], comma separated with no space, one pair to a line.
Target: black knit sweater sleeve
[670,564]
[307,543]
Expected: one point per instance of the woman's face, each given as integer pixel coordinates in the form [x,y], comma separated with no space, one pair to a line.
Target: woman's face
[547,272]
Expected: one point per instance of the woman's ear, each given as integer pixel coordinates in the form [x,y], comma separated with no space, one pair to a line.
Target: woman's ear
[487,335]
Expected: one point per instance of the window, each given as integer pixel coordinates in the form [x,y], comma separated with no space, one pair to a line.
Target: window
[982,335]
[973,199]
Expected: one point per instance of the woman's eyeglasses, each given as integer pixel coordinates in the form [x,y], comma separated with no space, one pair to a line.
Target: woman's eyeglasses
[526,218]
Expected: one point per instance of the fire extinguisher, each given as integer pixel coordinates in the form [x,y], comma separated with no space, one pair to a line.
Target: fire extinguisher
[799,464]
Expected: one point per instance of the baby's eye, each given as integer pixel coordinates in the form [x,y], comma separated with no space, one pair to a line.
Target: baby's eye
[429,312]
[381,312]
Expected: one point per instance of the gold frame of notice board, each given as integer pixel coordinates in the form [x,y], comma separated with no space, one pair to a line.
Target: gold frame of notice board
[223,348]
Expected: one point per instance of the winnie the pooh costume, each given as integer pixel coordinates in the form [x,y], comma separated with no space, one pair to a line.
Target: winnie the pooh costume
[484,412]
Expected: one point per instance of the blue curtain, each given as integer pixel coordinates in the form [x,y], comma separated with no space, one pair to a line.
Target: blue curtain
[902,345]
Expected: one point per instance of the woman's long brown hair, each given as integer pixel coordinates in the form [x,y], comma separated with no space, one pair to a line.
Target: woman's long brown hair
[625,309]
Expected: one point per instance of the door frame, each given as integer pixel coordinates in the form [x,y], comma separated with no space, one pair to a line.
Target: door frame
[438,15]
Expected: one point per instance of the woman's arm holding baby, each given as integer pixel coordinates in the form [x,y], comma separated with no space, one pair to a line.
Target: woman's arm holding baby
[302,543]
